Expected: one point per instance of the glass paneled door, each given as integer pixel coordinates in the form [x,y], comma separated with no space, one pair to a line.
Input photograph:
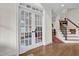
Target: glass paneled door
[30,29]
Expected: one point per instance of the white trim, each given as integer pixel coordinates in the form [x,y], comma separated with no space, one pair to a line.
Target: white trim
[43,31]
[17,29]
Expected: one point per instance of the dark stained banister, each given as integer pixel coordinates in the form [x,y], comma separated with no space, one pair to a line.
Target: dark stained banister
[72,22]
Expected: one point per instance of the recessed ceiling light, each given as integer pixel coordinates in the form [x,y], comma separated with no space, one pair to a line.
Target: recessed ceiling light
[62,5]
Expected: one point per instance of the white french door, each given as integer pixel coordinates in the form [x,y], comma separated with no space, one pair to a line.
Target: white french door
[30,29]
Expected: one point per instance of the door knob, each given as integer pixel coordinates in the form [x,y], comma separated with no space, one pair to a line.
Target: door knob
[33,31]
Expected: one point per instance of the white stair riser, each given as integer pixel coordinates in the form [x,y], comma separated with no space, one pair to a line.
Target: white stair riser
[72,38]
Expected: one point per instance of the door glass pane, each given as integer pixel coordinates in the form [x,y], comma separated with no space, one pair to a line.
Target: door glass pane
[40,21]
[26,18]
[26,35]
[22,38]
[29,19]
[22,15]
[39,28]
[26,42]
[40,36]
[36,37]
[36,19]
[26,28]
[30,41]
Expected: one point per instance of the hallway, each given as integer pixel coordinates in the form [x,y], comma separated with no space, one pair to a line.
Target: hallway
[55,50]
[31,26]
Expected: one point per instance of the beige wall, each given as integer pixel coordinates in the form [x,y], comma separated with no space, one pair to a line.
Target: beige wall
[8,27]
[73,15]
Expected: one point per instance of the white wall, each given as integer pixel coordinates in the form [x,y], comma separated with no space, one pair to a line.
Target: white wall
[8,29]
[48,26]
[71,26]
[73,15]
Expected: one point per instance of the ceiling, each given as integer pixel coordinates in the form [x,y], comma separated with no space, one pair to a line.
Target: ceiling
[56,7]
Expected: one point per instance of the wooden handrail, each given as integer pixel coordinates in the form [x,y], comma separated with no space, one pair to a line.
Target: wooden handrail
[72,22]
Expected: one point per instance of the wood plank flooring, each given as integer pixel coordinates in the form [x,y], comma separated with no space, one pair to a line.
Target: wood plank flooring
[61,49]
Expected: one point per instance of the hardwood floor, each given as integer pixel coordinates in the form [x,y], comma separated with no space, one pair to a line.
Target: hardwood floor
[61,49]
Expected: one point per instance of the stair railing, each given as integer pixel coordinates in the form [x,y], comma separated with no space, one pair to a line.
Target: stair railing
[64,29]
[72,22]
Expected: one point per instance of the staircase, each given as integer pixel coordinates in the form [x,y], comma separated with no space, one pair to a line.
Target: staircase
[70,36]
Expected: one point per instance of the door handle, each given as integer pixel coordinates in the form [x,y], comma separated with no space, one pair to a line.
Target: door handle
[33,31]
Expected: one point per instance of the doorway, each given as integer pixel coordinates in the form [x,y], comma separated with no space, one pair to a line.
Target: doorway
[30,27]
